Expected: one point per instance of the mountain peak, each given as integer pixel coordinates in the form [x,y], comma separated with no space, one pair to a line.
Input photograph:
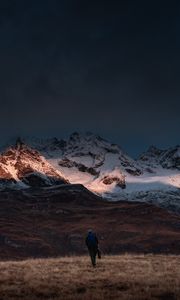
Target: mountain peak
[19,142]
[26,167]
[154,150]
[168,158]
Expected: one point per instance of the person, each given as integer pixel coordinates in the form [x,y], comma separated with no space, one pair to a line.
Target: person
[92,245]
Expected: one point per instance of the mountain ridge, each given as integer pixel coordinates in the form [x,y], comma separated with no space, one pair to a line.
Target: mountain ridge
[105,169]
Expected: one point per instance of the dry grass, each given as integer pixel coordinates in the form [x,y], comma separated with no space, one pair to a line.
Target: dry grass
[122,277]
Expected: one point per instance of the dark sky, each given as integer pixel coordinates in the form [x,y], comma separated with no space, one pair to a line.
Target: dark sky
[110,67]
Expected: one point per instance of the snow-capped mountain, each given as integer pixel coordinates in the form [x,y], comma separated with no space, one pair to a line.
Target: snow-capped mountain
[22,166]
[106,169]
[100,166]
[88,159]
[168,159]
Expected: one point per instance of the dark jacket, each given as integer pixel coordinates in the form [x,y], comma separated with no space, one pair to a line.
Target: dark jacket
[92,241]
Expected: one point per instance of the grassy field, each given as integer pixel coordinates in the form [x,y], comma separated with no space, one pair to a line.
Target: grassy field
[122,277]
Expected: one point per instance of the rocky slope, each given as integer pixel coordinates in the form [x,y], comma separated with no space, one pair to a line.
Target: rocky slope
[22,166]
[167,159]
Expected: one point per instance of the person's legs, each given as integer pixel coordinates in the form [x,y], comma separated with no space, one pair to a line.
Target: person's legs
[92,254]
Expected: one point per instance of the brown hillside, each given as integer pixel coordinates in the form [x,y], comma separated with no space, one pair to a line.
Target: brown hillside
[54,221]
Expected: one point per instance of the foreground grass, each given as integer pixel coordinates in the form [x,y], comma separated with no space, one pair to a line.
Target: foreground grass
[123,277]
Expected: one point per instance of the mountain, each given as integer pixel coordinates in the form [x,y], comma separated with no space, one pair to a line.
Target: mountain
[22,167]
[90,160]
[168,159]
[103,168]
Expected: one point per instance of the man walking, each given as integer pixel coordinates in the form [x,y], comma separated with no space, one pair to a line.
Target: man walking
[92,245]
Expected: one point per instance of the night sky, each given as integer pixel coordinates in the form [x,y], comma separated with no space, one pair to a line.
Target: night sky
[110,67]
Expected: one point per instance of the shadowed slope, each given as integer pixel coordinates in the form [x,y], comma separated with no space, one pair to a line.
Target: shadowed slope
[54,221]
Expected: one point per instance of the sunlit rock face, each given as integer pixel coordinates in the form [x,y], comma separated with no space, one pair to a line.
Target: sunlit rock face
[109,179]
[22,166]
